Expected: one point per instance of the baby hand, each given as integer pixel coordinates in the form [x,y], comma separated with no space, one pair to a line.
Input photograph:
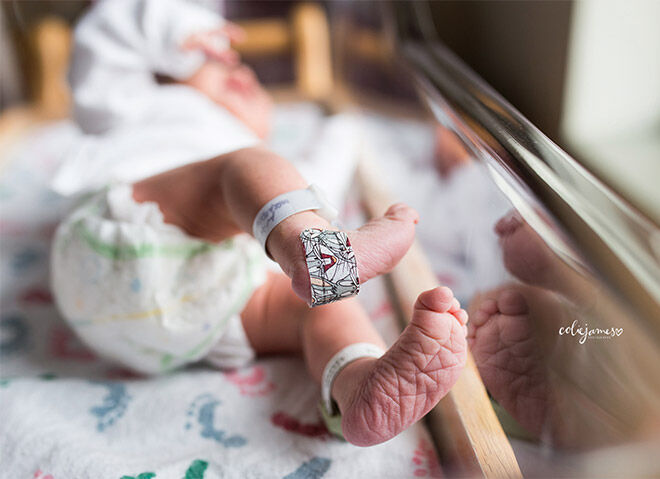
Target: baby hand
[214,45]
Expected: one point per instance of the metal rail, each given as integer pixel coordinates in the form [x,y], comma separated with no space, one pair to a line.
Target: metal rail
[569,207]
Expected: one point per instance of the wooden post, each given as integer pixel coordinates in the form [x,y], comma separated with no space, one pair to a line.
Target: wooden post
[313,54]
[51,42]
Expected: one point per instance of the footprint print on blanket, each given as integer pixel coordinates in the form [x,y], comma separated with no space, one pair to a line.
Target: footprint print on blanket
[41,475]
[251,382]
[425,460]
[196,470]
[144,475]
[291,424]
[25,259]
[66,346]
[14,335]
[114,404]
[5,382]
[315,468]
[36,296]
[203,409]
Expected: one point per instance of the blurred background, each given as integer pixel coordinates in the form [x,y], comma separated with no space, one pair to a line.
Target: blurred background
[585,72]
[571,241]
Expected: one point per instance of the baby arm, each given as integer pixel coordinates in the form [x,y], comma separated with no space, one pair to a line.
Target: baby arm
[219,198]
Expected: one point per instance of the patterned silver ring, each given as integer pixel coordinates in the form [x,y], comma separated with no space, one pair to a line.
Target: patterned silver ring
[333,272]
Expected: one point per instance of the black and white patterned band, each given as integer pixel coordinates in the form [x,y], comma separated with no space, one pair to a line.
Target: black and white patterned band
[333,272]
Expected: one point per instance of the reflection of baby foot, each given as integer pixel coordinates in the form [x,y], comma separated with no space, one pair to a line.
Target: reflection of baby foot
[449,152]
[251,383]
[378,245]
[509,358]
[203,407]
[379,398]
[530,259]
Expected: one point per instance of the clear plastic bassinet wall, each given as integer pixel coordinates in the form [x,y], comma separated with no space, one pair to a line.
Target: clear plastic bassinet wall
[559,271]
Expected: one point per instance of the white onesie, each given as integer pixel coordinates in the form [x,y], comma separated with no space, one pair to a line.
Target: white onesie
[134,127]
[138,291]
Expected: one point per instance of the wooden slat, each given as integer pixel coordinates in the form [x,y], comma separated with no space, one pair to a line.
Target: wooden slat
[468,434]
[307,36]
[264,37]
[51,43]
[312,48]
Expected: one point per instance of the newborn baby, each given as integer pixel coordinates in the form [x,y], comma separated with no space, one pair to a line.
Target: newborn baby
[157,268]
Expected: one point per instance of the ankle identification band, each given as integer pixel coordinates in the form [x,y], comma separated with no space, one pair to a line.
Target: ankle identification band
[281,207]
[338,362]
[333,272]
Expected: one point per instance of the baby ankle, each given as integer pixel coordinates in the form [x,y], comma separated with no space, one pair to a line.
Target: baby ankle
[284,244]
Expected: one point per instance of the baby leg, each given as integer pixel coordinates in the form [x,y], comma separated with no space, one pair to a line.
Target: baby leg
[378,398]
[219,198]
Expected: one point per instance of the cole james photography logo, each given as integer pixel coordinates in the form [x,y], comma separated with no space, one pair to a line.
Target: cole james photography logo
[585,332]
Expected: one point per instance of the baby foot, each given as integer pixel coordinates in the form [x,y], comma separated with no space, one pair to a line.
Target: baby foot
[509,359]
[378,245]
[379,398]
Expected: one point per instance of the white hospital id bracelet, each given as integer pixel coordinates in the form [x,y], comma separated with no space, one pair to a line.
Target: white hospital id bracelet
[338,362]
[288,204]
